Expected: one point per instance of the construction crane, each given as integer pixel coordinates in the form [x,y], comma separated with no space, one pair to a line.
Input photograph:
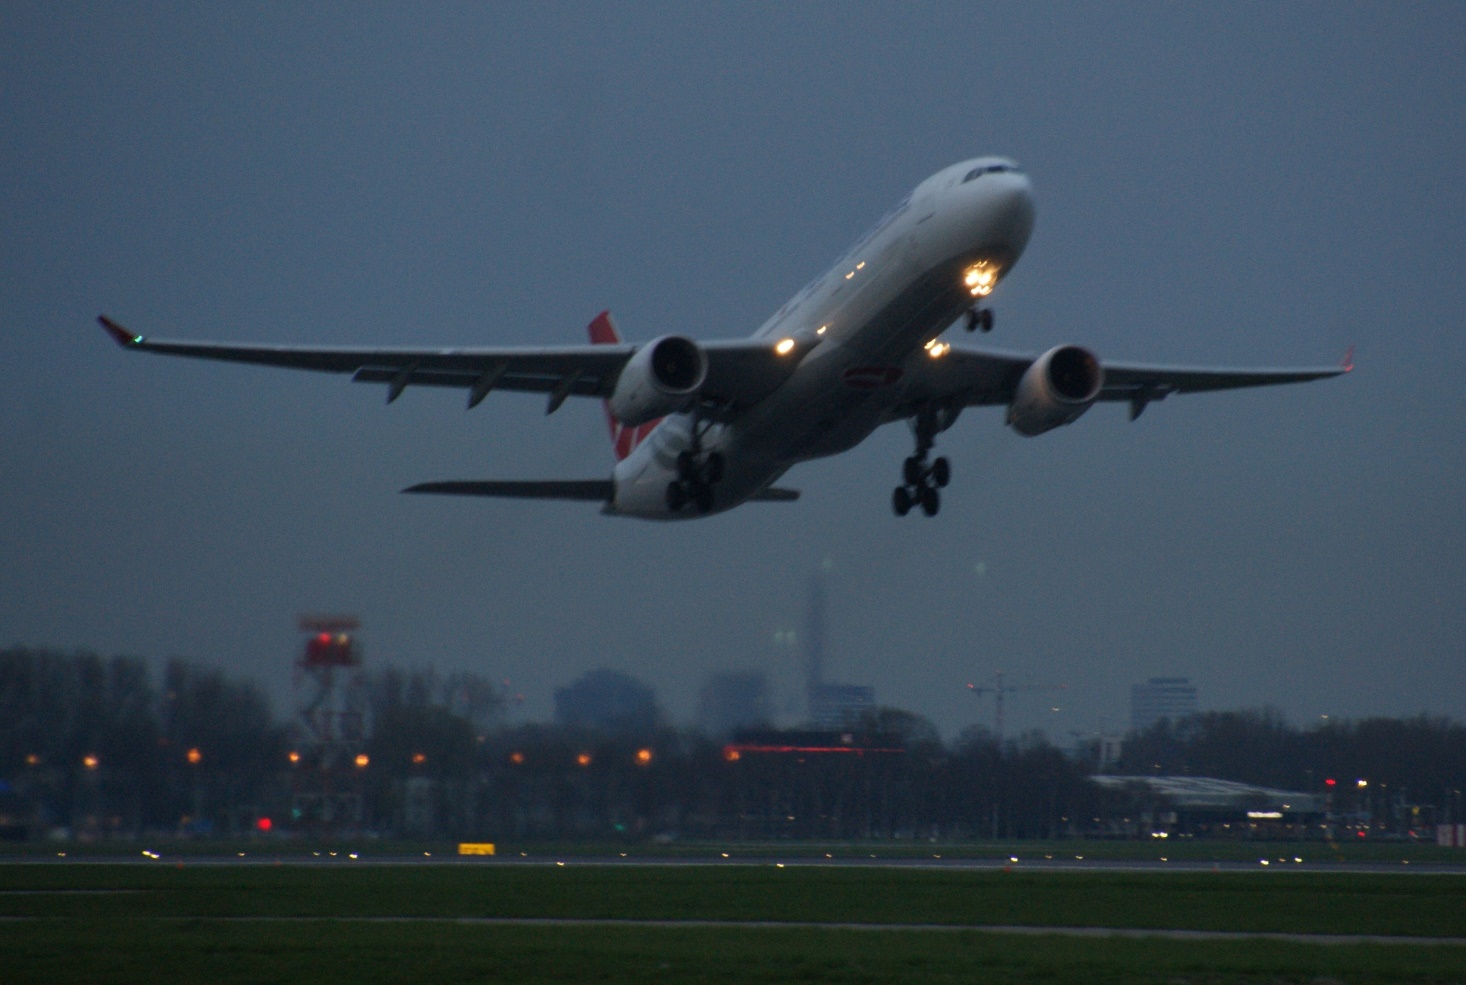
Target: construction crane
[999,691]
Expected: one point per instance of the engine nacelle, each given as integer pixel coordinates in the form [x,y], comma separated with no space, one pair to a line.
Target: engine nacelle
[1059,386]
[663,377]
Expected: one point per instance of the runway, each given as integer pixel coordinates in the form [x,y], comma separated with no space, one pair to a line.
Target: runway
[1273,863]
[948,928]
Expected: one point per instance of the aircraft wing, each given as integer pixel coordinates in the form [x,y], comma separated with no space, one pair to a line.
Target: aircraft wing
[740,372]
[978,377]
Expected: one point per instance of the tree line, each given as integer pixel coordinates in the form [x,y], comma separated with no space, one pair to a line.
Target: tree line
[103,747]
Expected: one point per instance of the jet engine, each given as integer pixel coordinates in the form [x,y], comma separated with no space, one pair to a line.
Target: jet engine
[1059,386]
[662,378]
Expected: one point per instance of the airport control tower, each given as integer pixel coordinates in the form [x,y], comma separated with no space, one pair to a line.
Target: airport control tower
[330,725]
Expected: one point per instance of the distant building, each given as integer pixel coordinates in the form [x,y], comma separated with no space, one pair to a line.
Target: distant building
[1161,697]
[835,706]
[830,706]
[732,701]
[607,700]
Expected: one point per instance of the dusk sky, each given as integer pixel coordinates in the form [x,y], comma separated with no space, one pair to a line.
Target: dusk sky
[1217,184]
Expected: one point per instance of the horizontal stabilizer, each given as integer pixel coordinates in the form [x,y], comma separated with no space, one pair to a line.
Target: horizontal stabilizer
[595,490]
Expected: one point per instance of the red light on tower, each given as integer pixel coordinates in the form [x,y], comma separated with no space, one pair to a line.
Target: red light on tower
[264,824]
[1329,782]
[330,643]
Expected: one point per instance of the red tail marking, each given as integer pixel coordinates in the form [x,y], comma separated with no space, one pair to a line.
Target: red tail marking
[623,439]
[603,330]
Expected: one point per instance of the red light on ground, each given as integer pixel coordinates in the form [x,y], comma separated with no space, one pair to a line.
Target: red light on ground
[264,824]
[517,758]
[1360,833]
[1329,782]
[324,639]
[732,755]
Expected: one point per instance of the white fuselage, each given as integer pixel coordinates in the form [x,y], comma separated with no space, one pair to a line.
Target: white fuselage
[859,326]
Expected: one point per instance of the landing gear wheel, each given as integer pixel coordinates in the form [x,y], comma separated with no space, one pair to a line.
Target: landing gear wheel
[686,466]
[931,500]
[713,470]
[676,496]
[941,472]
[901,501]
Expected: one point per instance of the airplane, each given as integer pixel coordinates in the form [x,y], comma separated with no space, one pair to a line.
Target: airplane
[699,428]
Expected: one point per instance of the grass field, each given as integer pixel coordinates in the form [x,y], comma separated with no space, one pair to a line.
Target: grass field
[352,922]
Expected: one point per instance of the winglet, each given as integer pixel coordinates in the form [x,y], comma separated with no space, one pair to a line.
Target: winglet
[123,337]
[1348,364]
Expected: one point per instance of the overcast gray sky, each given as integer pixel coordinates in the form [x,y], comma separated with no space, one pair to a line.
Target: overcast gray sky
[1219,183]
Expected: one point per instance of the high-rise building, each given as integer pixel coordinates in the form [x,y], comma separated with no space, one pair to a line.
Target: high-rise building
[1161,697]
[830,705]
[837,706]
[738,700]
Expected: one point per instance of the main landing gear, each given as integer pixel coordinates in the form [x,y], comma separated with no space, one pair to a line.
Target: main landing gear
[921,480]
[697,474]
[979,318]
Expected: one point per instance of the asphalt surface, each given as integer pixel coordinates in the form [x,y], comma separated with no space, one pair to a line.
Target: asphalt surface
[1277,862]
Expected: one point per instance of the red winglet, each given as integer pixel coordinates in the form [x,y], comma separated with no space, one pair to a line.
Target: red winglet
[124,338]
[1348,364]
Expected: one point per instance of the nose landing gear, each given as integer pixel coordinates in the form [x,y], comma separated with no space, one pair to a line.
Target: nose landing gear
[979,318]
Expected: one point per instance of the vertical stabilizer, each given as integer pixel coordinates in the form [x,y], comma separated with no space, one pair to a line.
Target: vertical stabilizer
[624,439]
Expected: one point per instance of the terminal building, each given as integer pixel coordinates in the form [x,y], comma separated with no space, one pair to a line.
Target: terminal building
[1192,806]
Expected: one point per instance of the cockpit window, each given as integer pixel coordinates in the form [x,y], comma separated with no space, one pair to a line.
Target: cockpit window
[987,169]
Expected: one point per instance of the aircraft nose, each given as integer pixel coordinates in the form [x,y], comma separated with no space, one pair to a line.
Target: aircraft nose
[1014,205]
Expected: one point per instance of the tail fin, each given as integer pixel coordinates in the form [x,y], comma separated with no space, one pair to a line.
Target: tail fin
[623,439]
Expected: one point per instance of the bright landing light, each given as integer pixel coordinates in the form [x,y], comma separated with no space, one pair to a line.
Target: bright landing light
[980,278]
[937,349]
[784,347]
